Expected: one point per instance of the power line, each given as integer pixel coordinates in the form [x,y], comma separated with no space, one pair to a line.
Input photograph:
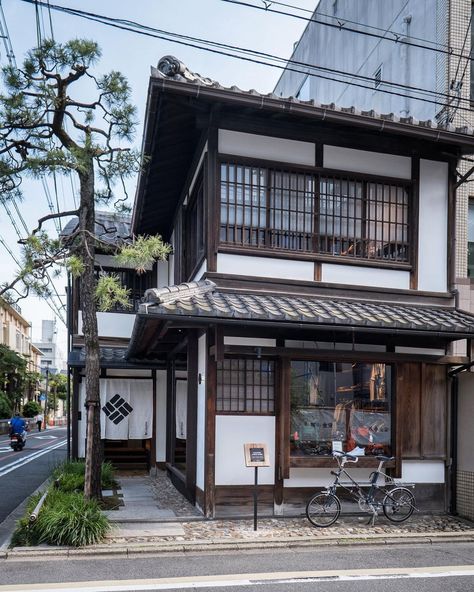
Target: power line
[345,20]
[193,41]
[399,39]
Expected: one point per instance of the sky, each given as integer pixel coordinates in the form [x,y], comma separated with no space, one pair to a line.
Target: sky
[133,55]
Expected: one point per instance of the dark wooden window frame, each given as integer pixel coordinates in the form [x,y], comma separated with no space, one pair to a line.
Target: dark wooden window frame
[315,254]
[247,411]
[289,462]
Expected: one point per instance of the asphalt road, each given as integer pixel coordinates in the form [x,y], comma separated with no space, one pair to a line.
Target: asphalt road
[411,568]
[22,472]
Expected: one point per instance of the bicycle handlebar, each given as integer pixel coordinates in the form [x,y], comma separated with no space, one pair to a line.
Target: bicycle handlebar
[349,456]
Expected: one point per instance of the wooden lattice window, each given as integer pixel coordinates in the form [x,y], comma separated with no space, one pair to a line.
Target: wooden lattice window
[246,386]
[314,212]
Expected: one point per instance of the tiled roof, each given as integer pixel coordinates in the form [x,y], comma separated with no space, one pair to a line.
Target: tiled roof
[170,68]
[110,227]
[109,357]
[205,299]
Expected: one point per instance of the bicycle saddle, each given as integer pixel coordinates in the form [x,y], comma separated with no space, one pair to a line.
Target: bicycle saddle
[386,458]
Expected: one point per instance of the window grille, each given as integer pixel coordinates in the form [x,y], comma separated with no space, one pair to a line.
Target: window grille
[246,386]
[306,212]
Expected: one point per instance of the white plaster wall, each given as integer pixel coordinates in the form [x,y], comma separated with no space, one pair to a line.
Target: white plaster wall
[253,341]
[112,324]
[363,161]
[422,471]
[200,272]
[433,226]
[419,350]
[160,416]
[110,261]
[162,274]
[131,373]
[266,147]
[265,267]
[201,414]
[322,477]
[465,422]
[365,276]
[198,166]
[232,432]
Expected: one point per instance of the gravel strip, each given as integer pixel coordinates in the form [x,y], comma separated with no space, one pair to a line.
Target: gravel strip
[272,529]
[167,496]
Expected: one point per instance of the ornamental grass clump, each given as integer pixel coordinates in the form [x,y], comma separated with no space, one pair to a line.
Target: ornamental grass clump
[70,476]
[69,519]
[66,518]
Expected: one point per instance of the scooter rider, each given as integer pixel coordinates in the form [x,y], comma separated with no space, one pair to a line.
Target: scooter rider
[17,425]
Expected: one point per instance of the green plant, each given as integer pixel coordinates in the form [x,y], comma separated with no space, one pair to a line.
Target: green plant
[70,475]
[69,519]
[5,407]
[108,476]
[71,482]
[31,408]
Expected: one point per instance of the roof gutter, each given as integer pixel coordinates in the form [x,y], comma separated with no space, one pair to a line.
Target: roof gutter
[323,113]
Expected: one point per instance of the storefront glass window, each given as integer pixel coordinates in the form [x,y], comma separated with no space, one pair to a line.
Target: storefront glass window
[340,406]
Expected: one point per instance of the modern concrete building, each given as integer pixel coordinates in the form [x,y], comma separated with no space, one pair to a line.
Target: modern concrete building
[413,59]
[48,347]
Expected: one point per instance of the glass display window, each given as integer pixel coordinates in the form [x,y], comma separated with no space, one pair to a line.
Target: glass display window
[340,406]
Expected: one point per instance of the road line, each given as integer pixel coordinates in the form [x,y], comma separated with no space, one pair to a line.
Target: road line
[25,460]
[255,579]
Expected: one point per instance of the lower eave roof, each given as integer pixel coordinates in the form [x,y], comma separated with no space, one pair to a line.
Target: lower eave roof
[203,303]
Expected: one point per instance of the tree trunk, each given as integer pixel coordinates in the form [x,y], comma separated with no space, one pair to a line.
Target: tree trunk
[92,486]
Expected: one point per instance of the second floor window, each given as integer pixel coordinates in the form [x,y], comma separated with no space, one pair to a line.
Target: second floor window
[308,212]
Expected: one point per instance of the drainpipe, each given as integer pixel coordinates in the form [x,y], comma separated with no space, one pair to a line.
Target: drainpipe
[454,443]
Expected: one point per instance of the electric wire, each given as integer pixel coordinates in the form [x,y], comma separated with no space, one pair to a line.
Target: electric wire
[341,27]
[345,20]
[179,39]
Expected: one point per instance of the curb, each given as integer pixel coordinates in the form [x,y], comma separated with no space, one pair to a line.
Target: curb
[134,550]
[8,524]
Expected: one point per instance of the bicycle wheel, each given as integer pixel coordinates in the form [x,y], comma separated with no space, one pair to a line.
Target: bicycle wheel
[398,504]
[323,509]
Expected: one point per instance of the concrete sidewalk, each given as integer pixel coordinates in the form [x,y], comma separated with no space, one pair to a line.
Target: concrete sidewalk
[142,525]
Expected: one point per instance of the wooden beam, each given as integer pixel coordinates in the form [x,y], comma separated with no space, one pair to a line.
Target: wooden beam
[191,413]
[210,443]
[177,348]
[337,355]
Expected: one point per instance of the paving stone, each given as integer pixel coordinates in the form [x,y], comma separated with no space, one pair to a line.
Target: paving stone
[145,530]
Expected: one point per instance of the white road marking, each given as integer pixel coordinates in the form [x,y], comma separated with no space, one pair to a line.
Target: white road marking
[235,580]
[27,459]
[5,449]
[45,437]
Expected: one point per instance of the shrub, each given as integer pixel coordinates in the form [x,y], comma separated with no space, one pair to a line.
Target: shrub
[5,407]
[31,408]
[70,475]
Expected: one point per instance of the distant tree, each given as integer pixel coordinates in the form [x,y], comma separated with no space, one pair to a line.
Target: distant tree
[6,409]
[31,408]
[44,128]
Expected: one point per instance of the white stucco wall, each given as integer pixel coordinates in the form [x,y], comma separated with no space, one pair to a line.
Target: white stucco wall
[423,471]
[365,276]
[112,324]
[200,272]
[363,161]
[232,432]
[160,416]
[312,477]
[250,341]
[162,274]
[266,147]
[433,226]
[201,414]
[265,267]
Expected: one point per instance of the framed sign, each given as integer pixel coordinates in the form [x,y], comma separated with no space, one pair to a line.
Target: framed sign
[256,455]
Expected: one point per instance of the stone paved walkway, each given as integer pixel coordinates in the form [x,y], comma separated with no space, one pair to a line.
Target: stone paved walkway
[159,494]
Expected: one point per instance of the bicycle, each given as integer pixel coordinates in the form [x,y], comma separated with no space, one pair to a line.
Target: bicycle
[396,501]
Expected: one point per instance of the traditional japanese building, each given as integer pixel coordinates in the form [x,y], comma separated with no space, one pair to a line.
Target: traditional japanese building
[308,303]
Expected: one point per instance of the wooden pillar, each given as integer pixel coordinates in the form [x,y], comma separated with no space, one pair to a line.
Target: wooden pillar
[191,412]
[170,412]
[210,430]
